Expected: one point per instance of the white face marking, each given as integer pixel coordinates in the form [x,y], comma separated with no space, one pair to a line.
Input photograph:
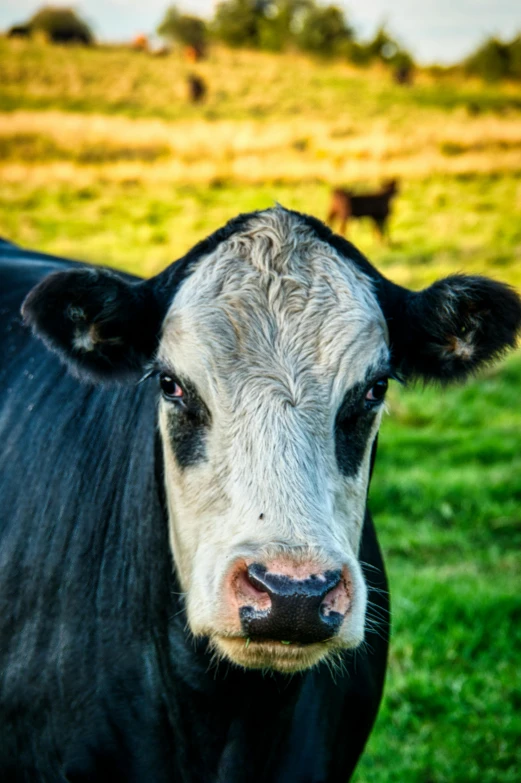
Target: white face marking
[272,329]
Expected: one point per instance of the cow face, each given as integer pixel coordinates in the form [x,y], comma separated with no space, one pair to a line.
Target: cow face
[268,413]
[272,357]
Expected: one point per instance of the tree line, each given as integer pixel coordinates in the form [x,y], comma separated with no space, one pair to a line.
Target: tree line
[279,25]
[496,59]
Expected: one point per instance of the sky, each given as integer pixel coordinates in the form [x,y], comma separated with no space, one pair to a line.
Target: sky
[441,31]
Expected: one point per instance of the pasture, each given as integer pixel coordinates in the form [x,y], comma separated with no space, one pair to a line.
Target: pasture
[102,158]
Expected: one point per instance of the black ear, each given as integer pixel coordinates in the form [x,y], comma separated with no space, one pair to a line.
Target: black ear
[449,330]
[102,326]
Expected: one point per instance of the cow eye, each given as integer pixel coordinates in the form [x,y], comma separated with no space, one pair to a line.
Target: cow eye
[170,387]
[377,392]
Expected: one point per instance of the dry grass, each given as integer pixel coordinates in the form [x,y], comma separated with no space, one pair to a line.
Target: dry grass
[70,113]
[102,157]
[73,146]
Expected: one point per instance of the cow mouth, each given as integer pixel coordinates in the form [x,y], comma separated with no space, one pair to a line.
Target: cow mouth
[287,657]
[248,640]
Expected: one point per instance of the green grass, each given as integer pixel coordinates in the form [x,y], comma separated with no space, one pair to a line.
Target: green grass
[441,225]
[451,711]
[118,81]
[446,493]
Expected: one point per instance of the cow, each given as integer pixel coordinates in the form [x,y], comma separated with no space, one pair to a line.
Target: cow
[19,31]
[196,88]
[191,586]
[345,205]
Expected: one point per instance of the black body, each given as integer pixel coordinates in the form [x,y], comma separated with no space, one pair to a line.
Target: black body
[99,678]
[197,88]
[377,206]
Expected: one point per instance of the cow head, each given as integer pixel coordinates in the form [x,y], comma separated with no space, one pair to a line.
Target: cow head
[272,343]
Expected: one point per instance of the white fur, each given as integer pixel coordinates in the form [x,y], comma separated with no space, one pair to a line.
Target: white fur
[272,328]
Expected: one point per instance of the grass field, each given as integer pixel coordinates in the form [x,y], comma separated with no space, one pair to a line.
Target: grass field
[102,158]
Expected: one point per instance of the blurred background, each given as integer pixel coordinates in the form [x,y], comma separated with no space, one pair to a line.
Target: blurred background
[129,131]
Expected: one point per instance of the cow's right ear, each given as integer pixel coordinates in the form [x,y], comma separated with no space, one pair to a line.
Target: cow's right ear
[102,326]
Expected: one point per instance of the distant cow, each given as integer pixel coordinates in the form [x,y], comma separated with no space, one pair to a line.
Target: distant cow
[184,470]
[19,31]
[140,43]
[196,88]
[403,74]
[345,205]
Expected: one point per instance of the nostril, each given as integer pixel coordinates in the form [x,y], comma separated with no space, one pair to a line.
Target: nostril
[311,587]
[250,593]
[337,601]
[257,577]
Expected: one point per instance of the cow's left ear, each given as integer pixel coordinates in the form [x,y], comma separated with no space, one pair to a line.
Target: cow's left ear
[102,326]
[447,331]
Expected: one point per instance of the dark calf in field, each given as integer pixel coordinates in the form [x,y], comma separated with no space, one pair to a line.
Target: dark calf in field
[196,88]
[345,205]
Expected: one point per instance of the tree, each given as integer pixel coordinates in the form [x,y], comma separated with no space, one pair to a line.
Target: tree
[184,28]
[259,24]
[382,46]
[324,30]
[61,25]
[514,50]
[279,22]
[237,22]
[491,60]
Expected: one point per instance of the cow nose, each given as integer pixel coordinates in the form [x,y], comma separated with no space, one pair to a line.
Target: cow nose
[296,610]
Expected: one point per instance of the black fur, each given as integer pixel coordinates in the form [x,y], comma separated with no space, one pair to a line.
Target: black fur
[99,678]
[448,331]
[352,428]
[121,320]
[188,424]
